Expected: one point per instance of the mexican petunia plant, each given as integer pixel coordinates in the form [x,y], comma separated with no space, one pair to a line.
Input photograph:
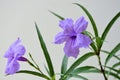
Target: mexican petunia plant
[75,36]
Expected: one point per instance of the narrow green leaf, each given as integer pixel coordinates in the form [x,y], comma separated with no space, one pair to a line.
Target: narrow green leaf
[46,54]
[111,73]
[115,50]
[111,68]
[107,29]
[109,53]
[91,19]
[99,42]
[46,69]
[34,62]
[93,46]
[60,17]
[92,71]
[32,59]
[116,64]
[77,62]
[34,73]
[78,76]
[116,57]
[84,69]
[64,64]
[31,64]
[88,34]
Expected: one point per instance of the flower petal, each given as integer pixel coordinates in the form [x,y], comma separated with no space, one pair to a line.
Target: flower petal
[80,25]
[12,68]
[60,38]
[70,50]
[19,51]
[82,40]
[67,25]
[17,42]
[10,51]
[9,54]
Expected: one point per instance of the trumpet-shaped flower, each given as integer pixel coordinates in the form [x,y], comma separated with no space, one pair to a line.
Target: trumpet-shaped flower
[72,36]
[14,54]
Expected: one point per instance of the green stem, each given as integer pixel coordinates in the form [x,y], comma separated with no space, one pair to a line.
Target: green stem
[102,70]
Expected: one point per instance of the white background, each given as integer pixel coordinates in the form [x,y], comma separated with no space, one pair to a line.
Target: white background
[17,19]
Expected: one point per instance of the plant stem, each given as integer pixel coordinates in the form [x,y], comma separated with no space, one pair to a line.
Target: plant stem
[102,70]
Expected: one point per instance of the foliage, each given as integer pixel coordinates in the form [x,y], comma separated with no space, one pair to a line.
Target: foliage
[75,70]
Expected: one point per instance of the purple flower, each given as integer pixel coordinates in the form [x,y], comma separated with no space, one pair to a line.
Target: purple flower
[14,54]
[72,36]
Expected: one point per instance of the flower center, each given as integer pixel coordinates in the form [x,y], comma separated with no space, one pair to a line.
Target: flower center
[73,37]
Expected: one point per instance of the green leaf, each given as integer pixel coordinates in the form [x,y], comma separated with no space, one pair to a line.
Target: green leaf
[116,64]
[115,50]
[77,62]
[91,19]
[33,60]
[111,68]
[84,69]
[78,76]
[31,64]
[60,17]
[99,42]
[93,46]
[109,53]
[46,54]
[46,69]
[64,64]
[107,29]
[36,65]
[88,34]
[92,71]
[34,73]
[111,73]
